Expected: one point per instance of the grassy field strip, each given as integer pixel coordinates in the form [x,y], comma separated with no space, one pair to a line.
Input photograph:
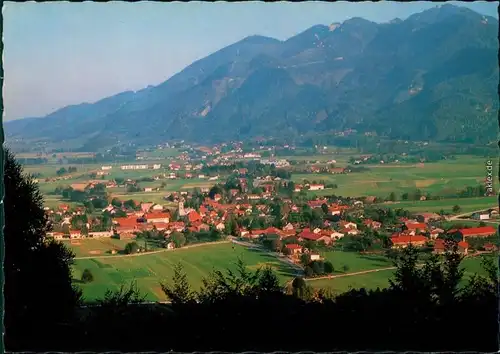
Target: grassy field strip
[153,252]
[273,254]
[152,269]
[378,278]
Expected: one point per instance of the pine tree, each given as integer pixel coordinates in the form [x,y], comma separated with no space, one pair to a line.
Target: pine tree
[38,288]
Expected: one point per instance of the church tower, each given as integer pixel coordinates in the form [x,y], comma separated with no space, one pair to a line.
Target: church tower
[182,212]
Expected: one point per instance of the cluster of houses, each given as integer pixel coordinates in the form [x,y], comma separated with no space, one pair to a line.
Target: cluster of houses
[414,234]
[214,213]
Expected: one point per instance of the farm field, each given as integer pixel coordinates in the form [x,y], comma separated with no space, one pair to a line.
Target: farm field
[466,204]
[470,223]
[380,279]
[339,285]
[342,159]
[381,180]
[162,153]
[95,247]
[356,262]
[150,269]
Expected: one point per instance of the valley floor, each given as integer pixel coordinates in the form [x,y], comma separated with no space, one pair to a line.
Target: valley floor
[150,269]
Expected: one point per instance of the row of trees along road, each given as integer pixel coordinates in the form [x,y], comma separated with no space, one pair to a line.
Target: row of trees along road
[423,308]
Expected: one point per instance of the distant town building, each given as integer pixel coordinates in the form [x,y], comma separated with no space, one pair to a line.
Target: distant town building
[316,187]
[134,167]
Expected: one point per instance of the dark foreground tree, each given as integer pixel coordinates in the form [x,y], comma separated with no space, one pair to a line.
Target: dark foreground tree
[38,285]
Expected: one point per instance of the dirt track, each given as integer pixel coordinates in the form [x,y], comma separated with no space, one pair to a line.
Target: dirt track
[350,274]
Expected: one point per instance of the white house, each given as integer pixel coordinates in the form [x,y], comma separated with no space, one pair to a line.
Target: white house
[134,167]
[350,225]
[97,234]
[315,257]
[316,187]
[336,235]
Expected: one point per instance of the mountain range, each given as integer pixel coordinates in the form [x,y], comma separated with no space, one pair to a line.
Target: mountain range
[433,76]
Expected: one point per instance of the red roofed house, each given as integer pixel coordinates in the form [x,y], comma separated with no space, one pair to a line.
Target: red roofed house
[440,246]
[126,227]
[64,207]
[337,170]
[416,226]
[158,217]
[490,247]
[334,211]
[75,234]
[435,233]
[268,231]
[316,203]
[325,238]
[128,221]
[194,216]
[294,248]
[146,206]
[372,224]
[203,210]
[484,231]
[160,226]
[176,226]
[307,234]
[404,241]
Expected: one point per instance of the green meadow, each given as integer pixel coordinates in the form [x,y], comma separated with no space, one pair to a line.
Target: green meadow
[380,279]
[380,180]
[466,204]
[149,270]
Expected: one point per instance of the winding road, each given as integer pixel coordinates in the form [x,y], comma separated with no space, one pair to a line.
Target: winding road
[350,274]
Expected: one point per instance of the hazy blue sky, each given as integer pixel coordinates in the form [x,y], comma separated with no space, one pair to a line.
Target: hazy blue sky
[58,54]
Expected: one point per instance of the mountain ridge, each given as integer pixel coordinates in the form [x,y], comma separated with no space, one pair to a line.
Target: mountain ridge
[434,72]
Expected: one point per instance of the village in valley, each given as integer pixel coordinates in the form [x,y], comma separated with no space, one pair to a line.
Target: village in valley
[315,213]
